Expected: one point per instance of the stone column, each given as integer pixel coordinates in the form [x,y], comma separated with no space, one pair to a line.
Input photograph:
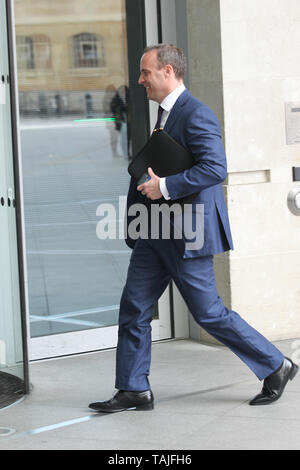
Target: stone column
[243,59]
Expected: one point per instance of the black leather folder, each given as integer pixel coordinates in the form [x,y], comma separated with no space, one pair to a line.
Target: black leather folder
[165,156]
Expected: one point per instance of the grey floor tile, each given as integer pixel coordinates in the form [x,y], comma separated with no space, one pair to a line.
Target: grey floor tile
[238,433]
[201,402]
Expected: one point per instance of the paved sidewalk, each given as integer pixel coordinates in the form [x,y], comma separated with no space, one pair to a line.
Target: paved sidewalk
[201,402]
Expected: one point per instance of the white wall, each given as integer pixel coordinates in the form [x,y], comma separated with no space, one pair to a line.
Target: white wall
[244,65]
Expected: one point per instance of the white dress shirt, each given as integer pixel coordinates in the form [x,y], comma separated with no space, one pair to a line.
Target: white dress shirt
[167,105]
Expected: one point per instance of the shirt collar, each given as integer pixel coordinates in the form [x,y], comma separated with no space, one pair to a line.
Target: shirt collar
[169,101]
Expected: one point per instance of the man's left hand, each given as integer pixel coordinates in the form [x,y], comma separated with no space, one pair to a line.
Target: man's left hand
[151,188]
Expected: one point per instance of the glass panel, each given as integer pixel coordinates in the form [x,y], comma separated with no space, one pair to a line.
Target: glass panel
[11,347]
[75,139]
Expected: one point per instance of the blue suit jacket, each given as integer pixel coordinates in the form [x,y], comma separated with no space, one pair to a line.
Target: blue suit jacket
[194,126]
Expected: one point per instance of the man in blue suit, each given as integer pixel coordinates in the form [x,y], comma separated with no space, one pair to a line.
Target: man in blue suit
[155,261]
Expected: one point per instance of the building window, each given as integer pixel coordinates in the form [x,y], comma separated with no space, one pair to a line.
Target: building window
[33,52]
[42,51]
[88,50]
[25,53]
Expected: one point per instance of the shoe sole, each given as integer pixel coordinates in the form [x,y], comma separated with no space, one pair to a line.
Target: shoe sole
[146,407]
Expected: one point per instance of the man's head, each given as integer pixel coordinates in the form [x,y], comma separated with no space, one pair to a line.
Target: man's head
[162,70]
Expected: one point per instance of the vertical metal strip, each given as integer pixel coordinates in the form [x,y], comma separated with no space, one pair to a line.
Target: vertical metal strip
[136,38]
[159,21]
[17,183]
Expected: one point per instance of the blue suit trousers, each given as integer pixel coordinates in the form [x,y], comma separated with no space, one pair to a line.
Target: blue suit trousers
[153,264]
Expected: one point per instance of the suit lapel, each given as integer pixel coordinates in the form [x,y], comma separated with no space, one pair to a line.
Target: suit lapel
[176,110]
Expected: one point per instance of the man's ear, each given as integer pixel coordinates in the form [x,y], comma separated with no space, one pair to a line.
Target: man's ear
[169,70]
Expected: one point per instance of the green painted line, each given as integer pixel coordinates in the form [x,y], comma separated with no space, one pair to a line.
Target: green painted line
[97,119]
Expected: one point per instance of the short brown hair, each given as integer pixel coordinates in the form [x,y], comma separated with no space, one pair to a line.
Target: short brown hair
[168,54]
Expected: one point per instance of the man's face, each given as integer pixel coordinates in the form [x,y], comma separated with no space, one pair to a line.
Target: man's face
[153,78]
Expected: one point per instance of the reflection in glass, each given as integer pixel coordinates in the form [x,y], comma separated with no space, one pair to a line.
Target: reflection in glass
[25,56]
[88,50]
[75,142]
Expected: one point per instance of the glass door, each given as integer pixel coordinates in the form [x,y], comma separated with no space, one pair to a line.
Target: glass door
[12,368]
[76,142]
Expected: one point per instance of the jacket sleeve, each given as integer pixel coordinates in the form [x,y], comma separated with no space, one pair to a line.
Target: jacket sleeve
[202,136]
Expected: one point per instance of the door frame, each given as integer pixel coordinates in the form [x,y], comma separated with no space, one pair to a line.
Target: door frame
[18,189]
[84,341]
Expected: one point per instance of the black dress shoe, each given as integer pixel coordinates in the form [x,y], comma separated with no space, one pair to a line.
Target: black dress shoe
[123,400]
[275,383]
